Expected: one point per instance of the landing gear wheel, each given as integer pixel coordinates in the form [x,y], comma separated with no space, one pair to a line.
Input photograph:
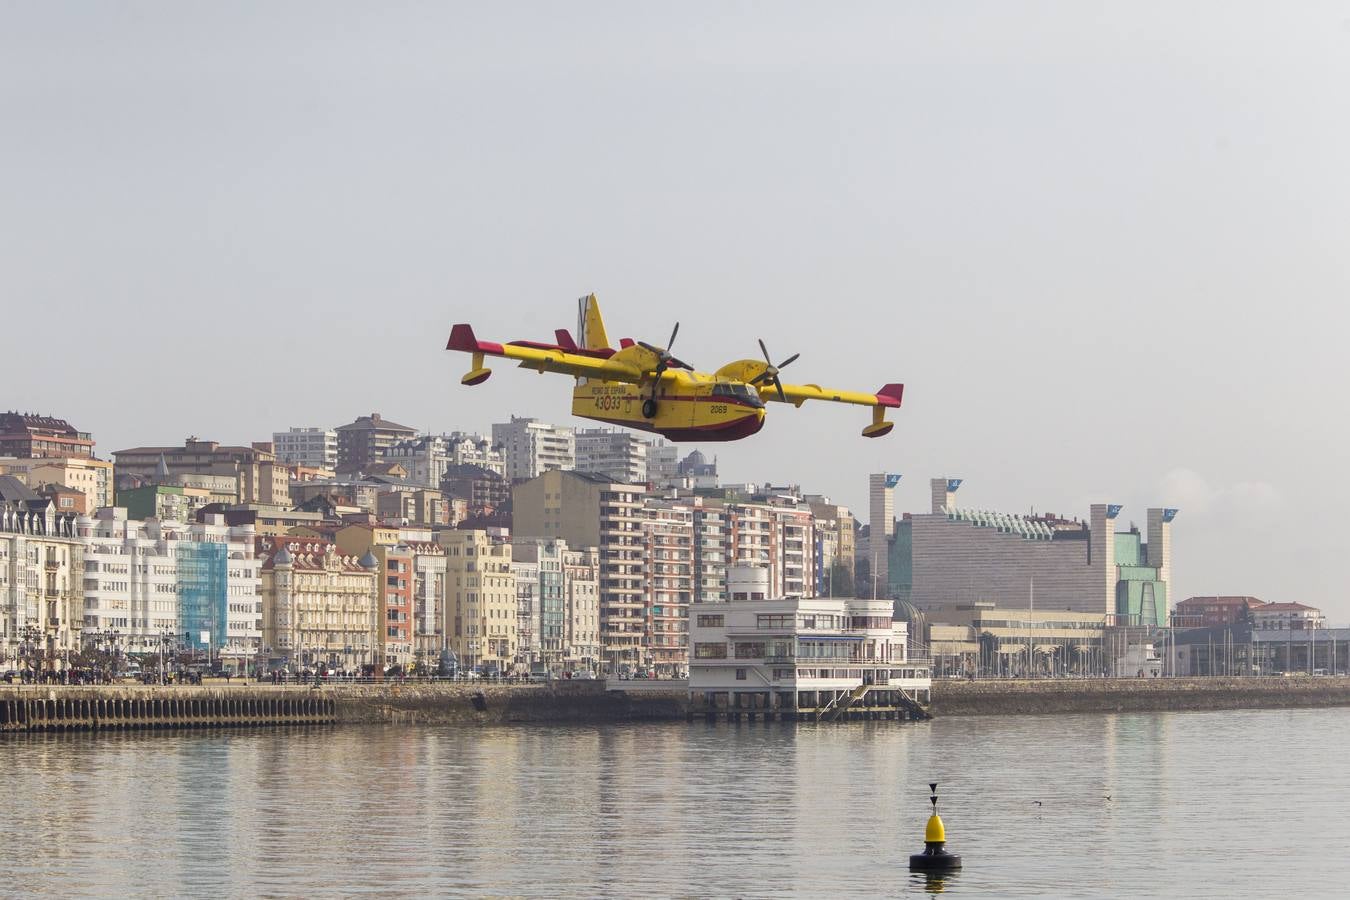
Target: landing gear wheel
[649,408]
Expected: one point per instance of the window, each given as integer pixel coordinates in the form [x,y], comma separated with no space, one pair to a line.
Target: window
[749,649]
[710,651]
[712,621]
[740,674]
[871,622]
[775,620]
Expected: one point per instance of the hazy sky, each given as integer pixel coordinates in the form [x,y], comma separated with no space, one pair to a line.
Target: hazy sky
[1104,245]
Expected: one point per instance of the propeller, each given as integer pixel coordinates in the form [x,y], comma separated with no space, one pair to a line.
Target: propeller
[663,358]
[663,361]
[770,375]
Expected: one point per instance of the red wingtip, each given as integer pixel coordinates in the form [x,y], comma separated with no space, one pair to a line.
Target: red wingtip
[625,343]
[462,338]
[891,394]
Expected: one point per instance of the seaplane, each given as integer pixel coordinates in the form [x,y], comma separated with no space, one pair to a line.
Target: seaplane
[644,387]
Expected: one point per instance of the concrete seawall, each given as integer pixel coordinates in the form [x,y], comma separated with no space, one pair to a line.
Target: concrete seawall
[116,707]
[560,703]
[27,709]
[983,698]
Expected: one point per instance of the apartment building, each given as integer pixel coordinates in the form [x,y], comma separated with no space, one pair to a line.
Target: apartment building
[260,477]
[428,601]
[712,535]
[33,436]
[612,453]
[314,448]
[530,448]
[591,511]
[526,573]
[92,477]
[428,458]
[481,618]
[481,489]
[582,650]
[193,584]
[668,533]
[362,443]
[41,578]
[320,607]
[394,563]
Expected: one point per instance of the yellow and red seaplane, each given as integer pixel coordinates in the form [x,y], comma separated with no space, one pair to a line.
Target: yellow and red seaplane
[643,386]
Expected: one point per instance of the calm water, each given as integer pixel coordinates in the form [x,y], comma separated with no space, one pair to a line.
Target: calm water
[1202,804]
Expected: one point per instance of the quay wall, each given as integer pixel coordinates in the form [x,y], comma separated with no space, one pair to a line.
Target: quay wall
[562,702]
[984,698]
[31,708]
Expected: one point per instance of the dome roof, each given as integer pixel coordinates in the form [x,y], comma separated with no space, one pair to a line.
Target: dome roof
[369,561]
[283,557]
[908,612]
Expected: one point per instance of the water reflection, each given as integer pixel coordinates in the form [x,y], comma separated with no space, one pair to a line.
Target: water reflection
[931,882]
[691,810]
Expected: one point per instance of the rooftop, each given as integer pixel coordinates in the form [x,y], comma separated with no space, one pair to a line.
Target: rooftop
[1249,602]
[374,422]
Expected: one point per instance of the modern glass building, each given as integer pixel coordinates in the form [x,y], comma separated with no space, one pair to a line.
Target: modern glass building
[203,601]
[1141,594]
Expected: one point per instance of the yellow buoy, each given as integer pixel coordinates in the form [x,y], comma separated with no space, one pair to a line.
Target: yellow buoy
[935,833]
[934,857]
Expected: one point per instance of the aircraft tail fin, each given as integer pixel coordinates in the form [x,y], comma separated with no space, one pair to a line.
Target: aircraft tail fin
[590,325]
[564,339]
[462,338]
[891,394]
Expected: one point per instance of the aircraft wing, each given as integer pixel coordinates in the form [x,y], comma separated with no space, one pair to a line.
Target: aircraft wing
[887,397]
[540,358]
[797,394]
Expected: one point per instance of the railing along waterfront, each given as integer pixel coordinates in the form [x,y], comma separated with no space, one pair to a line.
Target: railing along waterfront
[850,660]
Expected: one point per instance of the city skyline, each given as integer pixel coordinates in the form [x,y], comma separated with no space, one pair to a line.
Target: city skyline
[1102,255]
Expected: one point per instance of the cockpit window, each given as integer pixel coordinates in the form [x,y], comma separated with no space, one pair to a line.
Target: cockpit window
[742,392]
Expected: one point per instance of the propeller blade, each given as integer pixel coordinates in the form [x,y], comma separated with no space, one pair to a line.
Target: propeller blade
[646,346]
[680,364]
[674,331]
[765,351]
[778,384]
[761,377]
[784,364]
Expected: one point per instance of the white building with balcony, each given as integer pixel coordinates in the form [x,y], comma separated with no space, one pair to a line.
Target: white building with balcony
[315,447]
[530,448]
[152,582]
[801,657]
